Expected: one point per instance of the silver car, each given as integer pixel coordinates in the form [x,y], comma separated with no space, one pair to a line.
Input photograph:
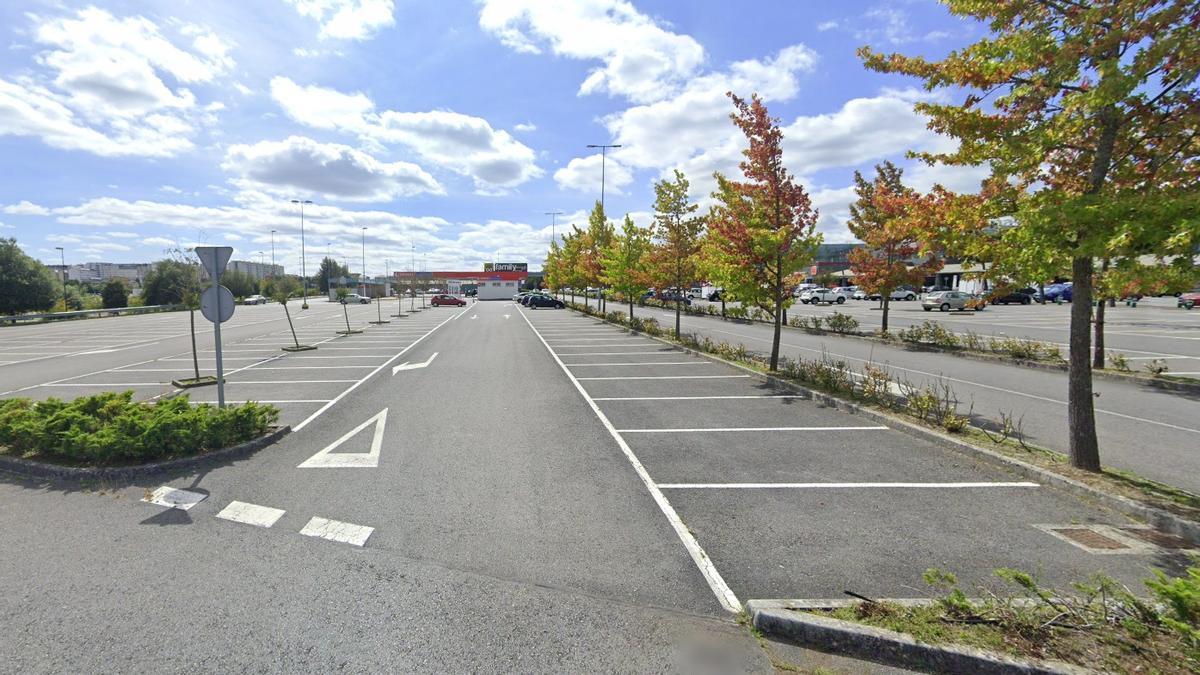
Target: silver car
[948,300]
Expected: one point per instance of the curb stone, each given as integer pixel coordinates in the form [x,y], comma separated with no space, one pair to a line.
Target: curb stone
[1161,519]
[34,469]
[890,647]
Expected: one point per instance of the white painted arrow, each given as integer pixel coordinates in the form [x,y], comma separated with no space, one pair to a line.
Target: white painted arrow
[474,316]
[506,315]
[326,459]
[413,366]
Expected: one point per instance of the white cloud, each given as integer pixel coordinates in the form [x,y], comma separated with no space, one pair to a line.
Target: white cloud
[124,235]
[64,239]
[464,144]
[101,247]
[299,165]
[525,127]
[230,236]
[641,60]
[171,189]
[112,86]
[347,19]
[158,241]
[26,208]
[862,130]
[4,226]
[827,25]
[583,174]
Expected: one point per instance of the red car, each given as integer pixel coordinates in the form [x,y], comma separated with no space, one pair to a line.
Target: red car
[1190,299]
[439,300]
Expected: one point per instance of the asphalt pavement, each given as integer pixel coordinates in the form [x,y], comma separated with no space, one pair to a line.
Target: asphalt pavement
[517,490]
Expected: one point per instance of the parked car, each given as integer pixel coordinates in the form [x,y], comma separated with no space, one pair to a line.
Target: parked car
[799,290]
[255,300]
[859,294]
[1190,299]
[672,296]
[434,290]
[948,300]
[902,293]
[695,293]
[471,292]
[817,295]
[528,297]
[355,298]
[1021,296]
[439,300]
[540,300]
[715,296]
[1058,292]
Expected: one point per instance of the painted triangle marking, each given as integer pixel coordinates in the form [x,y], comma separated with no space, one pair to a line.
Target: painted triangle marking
[326,459]
[413,366]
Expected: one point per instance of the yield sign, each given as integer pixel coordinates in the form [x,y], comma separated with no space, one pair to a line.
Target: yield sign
[327,459]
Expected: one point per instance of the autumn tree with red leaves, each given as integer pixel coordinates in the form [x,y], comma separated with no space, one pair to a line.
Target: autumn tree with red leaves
[883,218]
[762,230]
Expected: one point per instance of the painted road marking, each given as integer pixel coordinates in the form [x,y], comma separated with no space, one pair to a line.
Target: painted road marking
[706,430]
[174,498]
[666,377]
[413,366]
[251,514]
[704,564]
[326,459]
[691,398]
[335,530]
[643,363]
[806,486]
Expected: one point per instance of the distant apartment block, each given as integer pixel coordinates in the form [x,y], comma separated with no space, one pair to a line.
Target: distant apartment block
[95,272]
[256,270]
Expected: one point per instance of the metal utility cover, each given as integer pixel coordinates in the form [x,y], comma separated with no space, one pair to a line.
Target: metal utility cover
[208,303]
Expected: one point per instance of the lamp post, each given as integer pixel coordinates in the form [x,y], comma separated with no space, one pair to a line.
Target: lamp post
[424,268]
[62,255]
[364,261]
[328,267]
[554,218]
[272,254]
[303,269]
[412,298]
[603,157]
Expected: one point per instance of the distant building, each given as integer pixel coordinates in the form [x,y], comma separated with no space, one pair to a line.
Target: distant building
[96,272]
[257,270]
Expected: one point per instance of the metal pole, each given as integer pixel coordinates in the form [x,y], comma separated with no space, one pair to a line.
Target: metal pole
[215,275]
[272,254]
[553,224]
[364,261]
[603,158]
[412,282]
[328,269]
[63,258]
[303,267]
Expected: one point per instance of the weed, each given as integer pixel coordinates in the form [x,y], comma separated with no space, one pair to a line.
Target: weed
[1119,361]
[1156,367]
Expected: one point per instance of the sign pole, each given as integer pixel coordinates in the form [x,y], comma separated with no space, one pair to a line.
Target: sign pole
[215,274]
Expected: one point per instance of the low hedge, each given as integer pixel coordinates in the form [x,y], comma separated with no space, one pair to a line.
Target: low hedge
[112,428]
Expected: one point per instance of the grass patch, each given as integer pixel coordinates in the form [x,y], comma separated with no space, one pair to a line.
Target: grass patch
[1102,625]
[112,429]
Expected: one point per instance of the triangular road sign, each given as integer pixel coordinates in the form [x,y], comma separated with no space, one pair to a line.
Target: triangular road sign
[327,459]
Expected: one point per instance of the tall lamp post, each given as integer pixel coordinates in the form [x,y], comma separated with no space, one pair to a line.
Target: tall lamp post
[554,219]
[303,269]
[328,267]
[62,255]
[601,301]
[412,298]
[364,261]
[272,254]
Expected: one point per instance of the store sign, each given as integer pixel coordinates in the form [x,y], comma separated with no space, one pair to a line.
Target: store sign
[506,267]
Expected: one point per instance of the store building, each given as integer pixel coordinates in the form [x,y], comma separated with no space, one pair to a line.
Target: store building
[489,284]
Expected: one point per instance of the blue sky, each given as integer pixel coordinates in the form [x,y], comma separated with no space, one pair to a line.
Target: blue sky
[131,128]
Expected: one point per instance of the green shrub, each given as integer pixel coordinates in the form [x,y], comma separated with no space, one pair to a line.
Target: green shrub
[1180,599]
[112,427]
[1119,361]
[929,332]
[841,323]
[620,318]
[1017,348]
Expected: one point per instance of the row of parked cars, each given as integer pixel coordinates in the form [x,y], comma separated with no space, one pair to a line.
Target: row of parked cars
[538,299]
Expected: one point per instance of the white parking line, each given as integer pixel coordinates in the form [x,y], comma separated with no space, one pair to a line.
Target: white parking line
[659,352]
[251,514]
[335,530]
[666,377]
[643,363]
[691,398]
[806,486]
[716,582]
[708,430]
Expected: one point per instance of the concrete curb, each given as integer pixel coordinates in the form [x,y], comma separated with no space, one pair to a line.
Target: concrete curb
[33,469]
[890,647]
[1161,519]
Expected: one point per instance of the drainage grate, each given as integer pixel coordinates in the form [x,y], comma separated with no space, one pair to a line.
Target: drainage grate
[1159,539]
[1088,538]
[1098,539]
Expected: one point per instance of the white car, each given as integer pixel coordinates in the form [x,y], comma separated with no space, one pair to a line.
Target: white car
[255,300]
[818,295]
[859,294]
[695,293]
[356,298]
[898,294]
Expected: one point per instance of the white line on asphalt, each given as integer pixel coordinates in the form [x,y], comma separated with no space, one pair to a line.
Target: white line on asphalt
[251,514]
[371,374]
[103,384]
[73,377]
[707,429]
[659,352]
[643,363]
[174,498]
[805,486]
[414,366]
[335,530]
[690,398]
[325,458]
[254,400]
[666,377]
[719,588]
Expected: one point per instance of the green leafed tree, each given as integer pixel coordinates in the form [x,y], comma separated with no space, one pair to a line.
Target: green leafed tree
[329,269]
[623,263]
[763,229]
[241,284]
[677,230]
[169,281]
[115,293]
[26,285]
[1087,115]
[596,239]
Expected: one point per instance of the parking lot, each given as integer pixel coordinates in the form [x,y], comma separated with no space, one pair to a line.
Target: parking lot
[778,497]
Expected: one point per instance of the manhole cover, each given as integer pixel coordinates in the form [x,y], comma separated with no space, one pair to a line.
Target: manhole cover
[1089,538]
[1159,539]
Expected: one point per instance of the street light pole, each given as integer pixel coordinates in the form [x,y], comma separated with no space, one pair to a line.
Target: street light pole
[303,269]
[412,285]
[328,268]
[63,258]
[554,218]
[272,254]
[603,157]
[364,261]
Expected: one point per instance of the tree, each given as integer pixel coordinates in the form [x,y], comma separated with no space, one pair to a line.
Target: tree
[552,268]
[191,300]
[329,269]
[241,284]
[764,229]
[572,251]
[115,293]
[169,281]
[25,284]
[881,218]
[677,233]
[596,239]
[282,289]
[1090,138]
[623,262]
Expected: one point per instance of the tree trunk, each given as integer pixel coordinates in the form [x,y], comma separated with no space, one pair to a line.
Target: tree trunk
[1098,354]
[722,307]
[631,308]
[886,299]
[1081,415]
[677,303]
[778,313]
[195,359]
[346,313]
[289,318]
[1041,293]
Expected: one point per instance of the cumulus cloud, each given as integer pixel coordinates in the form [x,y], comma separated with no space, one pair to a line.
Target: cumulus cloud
[639,59]
[464,144]
[584,174]
[299,165]
[26,208]
[525,127]
[64,239]
[112,86]
[862,130]
[347,19]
